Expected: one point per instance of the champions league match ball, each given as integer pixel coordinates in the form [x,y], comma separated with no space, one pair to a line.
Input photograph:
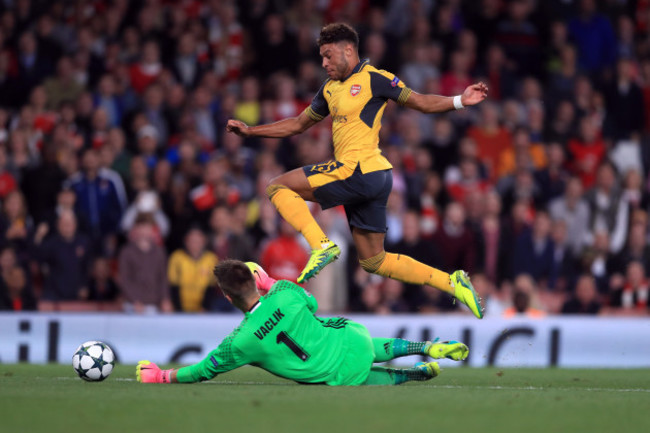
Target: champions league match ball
[93,361]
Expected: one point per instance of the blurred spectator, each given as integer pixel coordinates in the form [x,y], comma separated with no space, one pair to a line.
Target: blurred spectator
[63,86]
[393,291]
[147,69]
[493,243]
[101,286]
[574,211]
[146,202]
[594,38]
[42,183]
[636,249]
[633,296]
[16,226]
[533,250]
[598,261]
[585,299]
[106,98]
[608,212]
[587,152]
[33,67]
[520,39]
[15,294]
[564,262]
[190,274]
[187,67]
[456,240]
[522,154]
[490,137]
[100,201]
[142,271]
[523,299]
[283,257]
[625,108]
[65,257]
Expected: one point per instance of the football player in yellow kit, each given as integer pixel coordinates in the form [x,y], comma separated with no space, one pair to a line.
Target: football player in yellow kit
[359,177]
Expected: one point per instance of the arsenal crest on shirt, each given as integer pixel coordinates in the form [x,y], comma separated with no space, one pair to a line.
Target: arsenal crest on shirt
[355,89]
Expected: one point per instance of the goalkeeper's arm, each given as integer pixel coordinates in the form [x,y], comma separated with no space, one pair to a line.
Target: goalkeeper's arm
[222,359]
[148,372]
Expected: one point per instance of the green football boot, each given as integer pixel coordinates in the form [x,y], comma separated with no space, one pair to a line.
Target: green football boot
[465,293]
[318,260]
[430,369]
[454,350]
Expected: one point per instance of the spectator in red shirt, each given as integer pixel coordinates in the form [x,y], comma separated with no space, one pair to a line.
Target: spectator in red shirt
[148,69]
[586,152]
[284,257]
[490,137]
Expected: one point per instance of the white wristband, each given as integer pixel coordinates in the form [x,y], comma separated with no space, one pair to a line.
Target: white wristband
[458,104]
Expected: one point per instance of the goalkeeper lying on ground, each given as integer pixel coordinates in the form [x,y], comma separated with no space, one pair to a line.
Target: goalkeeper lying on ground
[281,334]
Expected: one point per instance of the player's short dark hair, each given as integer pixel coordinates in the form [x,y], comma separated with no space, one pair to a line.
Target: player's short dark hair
[338,32]
[234,279]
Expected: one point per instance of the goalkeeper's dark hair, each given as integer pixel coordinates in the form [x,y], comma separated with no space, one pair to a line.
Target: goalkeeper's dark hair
[235,280]
[338,32]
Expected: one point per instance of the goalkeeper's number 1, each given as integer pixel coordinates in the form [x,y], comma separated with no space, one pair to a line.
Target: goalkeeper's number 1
[283,337]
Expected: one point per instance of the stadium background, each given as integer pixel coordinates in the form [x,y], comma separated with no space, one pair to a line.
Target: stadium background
[112,149]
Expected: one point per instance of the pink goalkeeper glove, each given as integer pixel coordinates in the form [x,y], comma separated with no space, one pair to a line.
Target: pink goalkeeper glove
[148,372]
[262,279]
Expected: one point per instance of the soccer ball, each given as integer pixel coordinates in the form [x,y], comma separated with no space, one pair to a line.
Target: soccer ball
[93,361]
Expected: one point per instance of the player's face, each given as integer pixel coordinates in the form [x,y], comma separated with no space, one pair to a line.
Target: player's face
[335,61]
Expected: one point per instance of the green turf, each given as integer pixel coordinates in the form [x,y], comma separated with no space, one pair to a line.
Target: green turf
[50,398]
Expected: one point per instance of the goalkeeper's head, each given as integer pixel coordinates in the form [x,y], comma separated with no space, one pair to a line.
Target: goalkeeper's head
[237,283]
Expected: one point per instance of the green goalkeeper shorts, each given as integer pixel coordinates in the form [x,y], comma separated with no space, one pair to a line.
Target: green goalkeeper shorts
[360,355]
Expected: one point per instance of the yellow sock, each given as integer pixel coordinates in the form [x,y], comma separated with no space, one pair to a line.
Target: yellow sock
[407,270]
[294,210]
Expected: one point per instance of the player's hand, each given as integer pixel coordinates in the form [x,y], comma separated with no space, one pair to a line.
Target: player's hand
[262,279]
[148,372]
[474,94]
[238,127]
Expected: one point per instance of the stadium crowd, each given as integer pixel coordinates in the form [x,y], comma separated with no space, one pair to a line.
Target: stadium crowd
[121,190]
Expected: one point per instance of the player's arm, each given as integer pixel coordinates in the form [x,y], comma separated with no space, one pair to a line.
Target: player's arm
[280,129]
[222,359]
[317,111]
[438,104]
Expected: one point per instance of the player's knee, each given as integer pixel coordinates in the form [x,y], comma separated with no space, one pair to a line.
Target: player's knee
[373,264]
[273,188]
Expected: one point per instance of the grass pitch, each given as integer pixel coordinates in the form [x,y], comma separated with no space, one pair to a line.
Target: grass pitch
[50,398]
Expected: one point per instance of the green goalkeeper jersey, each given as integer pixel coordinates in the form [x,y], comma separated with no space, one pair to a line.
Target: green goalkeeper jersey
[282,335]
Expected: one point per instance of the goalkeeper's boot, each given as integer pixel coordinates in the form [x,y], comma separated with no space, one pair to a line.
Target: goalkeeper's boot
[454,350]
[318,260]
[465,293]
[430,369]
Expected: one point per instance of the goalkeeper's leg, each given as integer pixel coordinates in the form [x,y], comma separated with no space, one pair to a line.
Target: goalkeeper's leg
[387,349]
[397,376]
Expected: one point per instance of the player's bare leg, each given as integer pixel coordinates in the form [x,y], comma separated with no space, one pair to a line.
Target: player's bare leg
[374,259]
[288,193]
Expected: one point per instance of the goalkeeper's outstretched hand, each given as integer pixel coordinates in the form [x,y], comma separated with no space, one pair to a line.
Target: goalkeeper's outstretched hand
[148,372]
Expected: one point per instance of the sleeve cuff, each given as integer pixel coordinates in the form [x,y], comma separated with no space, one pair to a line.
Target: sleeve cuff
[404,95]
[313,115]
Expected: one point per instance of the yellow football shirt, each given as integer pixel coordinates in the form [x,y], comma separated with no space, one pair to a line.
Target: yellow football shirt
[357,104]
[192,276]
